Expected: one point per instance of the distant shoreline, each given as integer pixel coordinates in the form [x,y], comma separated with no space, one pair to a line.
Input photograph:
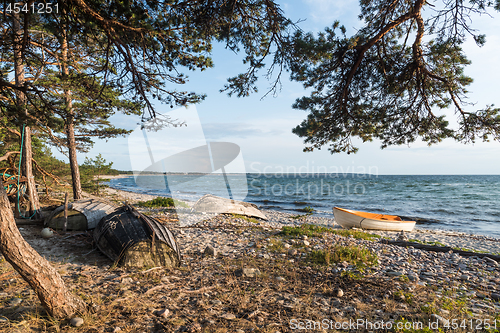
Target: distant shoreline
[114,176]
[338,174]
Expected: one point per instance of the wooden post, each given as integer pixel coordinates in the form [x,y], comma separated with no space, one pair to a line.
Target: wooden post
[65,226]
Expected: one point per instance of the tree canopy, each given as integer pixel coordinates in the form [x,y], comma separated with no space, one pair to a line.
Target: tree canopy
[141,49]
[146,44]
[390,79]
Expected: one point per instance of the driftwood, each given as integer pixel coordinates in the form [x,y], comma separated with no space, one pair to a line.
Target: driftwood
[435,248]
[29,222]
[212,204]
[132,239]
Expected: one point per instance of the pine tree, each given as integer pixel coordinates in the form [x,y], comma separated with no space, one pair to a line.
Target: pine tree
[78,98]
[390,80]
[21,104]
[144,45]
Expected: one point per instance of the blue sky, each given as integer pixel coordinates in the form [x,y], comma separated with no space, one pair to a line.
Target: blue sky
[262,128]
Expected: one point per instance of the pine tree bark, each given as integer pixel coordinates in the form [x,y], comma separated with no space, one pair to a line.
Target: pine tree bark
[40,275]
[26,163]
[27,170]
[73,163]
[70,122]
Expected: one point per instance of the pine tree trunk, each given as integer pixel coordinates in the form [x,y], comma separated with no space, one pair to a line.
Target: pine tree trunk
[70,123]
[27,170]
[73,163]
[40,275]
[26,164]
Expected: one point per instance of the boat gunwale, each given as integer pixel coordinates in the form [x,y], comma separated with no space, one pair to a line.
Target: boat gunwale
[353,212]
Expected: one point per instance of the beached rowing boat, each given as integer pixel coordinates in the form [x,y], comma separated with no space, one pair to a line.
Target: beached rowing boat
[354,219]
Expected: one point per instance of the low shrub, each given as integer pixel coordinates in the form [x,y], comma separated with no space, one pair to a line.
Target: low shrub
[161,202]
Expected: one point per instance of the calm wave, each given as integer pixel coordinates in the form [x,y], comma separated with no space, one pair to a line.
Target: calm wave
[462,203]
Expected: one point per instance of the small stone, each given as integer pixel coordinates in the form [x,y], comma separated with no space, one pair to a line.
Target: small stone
[306,243]
[239,331]
[441,321]
[247,272]
[162,313]
[280,278]
[287,246]
[480,295]
[127,280]
[350,309]
[208,322]
[339,293]
[490,261]
[228,316]
[194,327]
[444,312]
[413,278]
[76,321]
[484,306]
[292,252]
[117,329]
[15,301]
[402,237]
[210,251]
[393,273]
[476,310]
[253,314]
[495,297]
[46,233]
[464,277]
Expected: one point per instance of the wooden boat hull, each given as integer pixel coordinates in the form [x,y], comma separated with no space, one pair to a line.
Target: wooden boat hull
[132,239]
[212,204]
[363,220]
[83,214]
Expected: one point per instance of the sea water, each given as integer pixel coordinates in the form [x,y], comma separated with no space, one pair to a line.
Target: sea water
[467,203]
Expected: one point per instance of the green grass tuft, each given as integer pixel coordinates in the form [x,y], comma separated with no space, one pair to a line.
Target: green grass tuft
[359,256]
[306,209]
[312,230]
[246,218]
[162,202]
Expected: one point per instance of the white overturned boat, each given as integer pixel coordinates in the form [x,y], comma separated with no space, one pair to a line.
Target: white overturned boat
[354,219]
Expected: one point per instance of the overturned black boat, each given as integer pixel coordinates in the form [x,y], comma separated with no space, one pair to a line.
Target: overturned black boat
[132,239]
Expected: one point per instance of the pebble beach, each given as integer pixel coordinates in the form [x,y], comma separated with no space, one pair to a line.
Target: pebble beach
[242,274]
[474,278]
[278,219]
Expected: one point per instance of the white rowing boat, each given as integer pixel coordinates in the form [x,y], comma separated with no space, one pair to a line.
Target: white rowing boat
[355,219]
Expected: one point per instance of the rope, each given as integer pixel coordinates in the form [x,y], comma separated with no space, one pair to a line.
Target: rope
[19,176]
